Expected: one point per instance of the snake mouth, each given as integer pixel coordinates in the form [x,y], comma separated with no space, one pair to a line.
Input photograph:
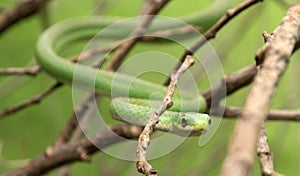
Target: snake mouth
[200,128]
[198,132]
[190,131]
[185,133]
[192,124]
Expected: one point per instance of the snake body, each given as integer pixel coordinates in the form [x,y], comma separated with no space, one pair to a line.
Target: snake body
[55,38]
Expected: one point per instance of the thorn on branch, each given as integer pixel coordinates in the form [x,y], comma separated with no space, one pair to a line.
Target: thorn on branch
[267,37]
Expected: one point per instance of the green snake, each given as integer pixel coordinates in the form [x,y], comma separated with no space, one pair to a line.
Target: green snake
[136,109]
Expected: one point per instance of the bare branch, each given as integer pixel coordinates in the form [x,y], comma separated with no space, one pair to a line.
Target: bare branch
[285,115]
[145,6]
[275,56]
[144,140]
[78,151]
[211,33]
[264,154]
[31,71]
[169,32]
[231,83]
[79,114]
[32,101]
[149,37]
[23,9]
[140,30]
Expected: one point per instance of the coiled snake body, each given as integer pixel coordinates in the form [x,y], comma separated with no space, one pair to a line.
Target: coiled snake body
[135,110]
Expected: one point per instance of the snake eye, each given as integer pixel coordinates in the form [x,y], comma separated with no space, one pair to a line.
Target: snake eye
[209,121]
[183,121]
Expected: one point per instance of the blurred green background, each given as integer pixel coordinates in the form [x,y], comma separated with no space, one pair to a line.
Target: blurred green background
[26,134]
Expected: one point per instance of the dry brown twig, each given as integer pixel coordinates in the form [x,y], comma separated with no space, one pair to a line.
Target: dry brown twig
[140,30]
[21,10]
[77,151]
[264,155]
[231,82]
[78,115]
[144,140]
[262,147]
[274,56]
[212,32]
[32,101]
[31,71]
[284,115]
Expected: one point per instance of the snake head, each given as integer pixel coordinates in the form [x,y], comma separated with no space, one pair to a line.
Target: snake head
[192,124]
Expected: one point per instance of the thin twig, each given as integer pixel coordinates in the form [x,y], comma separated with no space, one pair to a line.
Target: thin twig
[78,151]
[79,114]
[169,32]
[235,112]
[264,155]
[31,71]
[142,165]
[145,6]
[229,84]
[140,30]
[21,10]
[275,56]
[30,102]
[211,33]
[147,38]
